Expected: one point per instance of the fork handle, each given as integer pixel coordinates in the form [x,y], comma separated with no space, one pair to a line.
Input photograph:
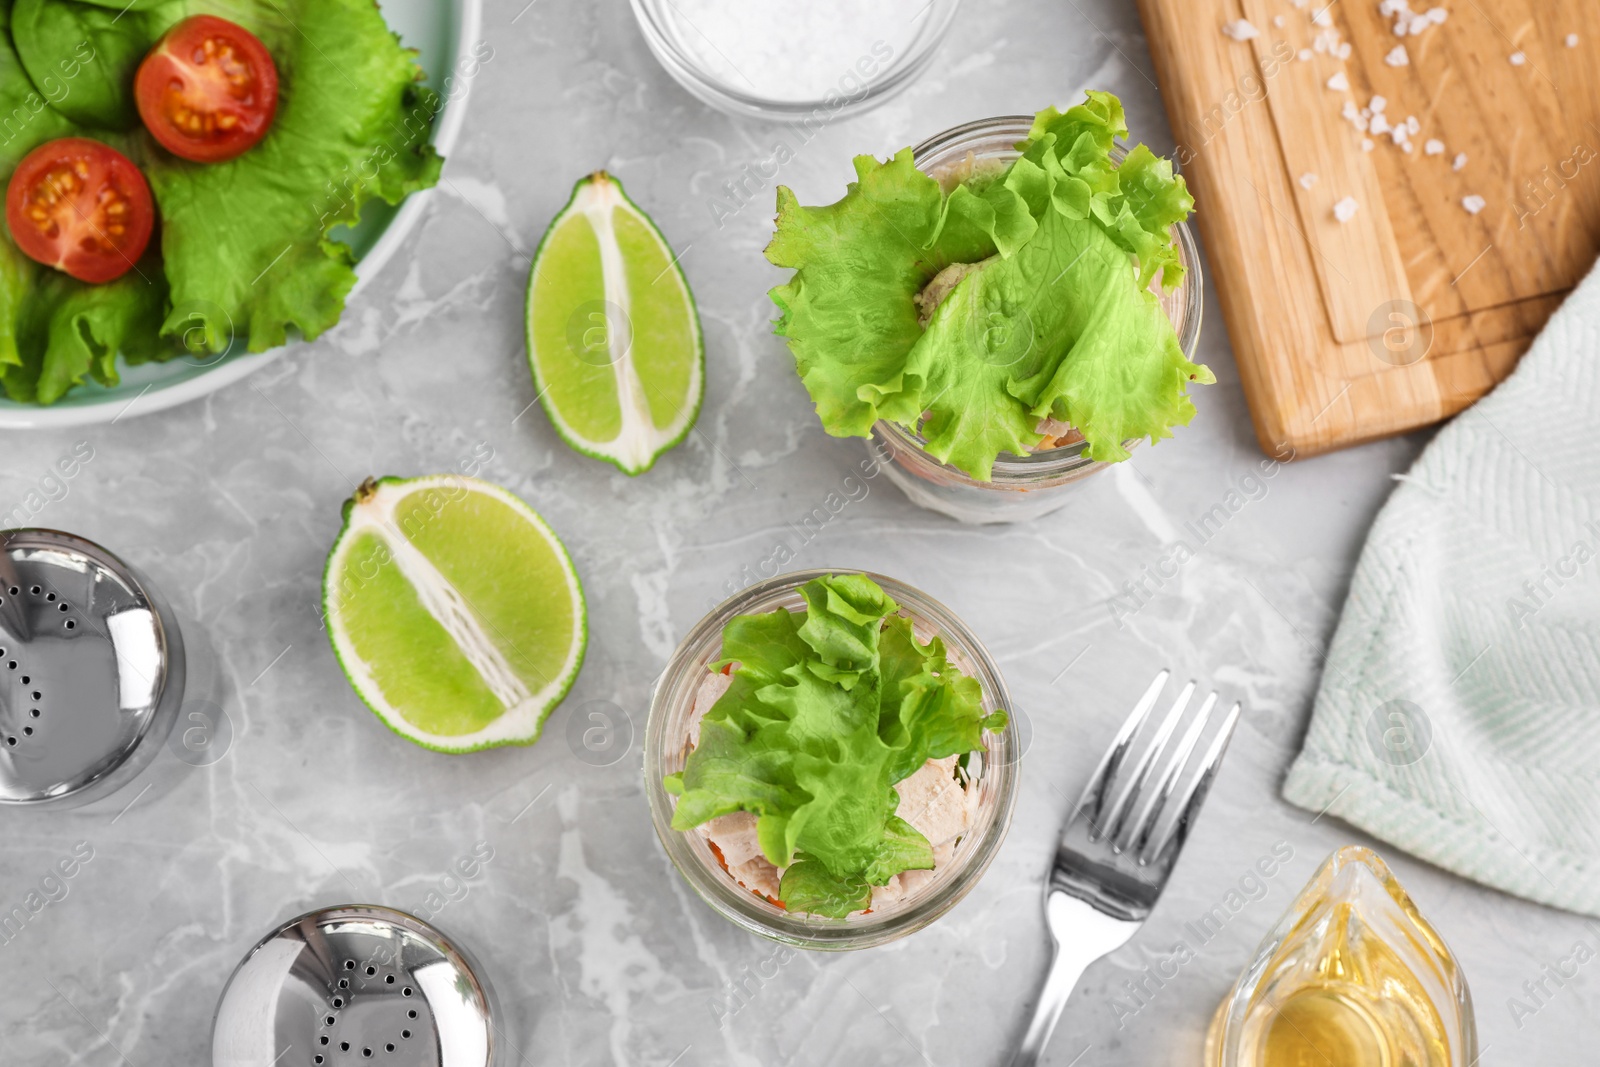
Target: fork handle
[1065,970]
[1082,933]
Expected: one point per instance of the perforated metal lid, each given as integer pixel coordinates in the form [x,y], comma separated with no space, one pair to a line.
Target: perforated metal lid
[351,986]
[91,670]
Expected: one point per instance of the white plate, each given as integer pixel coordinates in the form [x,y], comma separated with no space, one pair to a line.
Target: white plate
[442,32]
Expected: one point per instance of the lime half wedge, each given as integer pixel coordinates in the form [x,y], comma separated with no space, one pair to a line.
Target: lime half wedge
[454,611]
[613,337]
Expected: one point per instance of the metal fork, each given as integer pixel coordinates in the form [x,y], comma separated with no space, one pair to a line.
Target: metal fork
[1120,844]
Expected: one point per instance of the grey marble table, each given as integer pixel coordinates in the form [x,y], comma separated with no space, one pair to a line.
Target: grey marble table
[600,954]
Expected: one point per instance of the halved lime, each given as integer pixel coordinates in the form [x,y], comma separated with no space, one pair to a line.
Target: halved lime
[454,611]
[613,337]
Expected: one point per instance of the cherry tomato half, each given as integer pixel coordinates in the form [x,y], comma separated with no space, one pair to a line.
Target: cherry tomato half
[82,207]
[208,89]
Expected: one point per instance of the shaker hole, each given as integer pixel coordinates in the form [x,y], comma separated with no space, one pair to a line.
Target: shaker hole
[323,1040]
[27,731]
[405,1033]
[371,971]
[338,1002]
[366,1052]
[412,1014]
[71,625]
[389,980]
[344,1046]
[50,598]
[35,590]
[349,965]
[34,712]
[329,1020]
[62,607]
[406,992]
[26,679]
[389,1047]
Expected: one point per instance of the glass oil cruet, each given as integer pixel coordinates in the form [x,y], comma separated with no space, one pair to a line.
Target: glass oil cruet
[1353,976]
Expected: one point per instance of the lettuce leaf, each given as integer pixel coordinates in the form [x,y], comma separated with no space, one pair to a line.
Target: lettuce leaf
[246,242]
[245,251]
[1043,278]
[847,311]
[82,58]
[56,332]
[827,711]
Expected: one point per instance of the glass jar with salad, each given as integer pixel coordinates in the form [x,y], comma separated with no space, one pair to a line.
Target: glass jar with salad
[829,761]
[1003,310]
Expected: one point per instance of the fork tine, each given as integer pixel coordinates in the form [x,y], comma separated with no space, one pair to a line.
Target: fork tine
[1141,826]
[1128,795]
[1181,810]
[1111,762]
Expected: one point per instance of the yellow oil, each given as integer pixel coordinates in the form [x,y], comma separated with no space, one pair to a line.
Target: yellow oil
[1358,979]
[1321,1027]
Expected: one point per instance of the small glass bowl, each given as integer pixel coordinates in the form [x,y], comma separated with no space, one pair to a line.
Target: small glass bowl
[666,746]
[765,60]
[1023,487]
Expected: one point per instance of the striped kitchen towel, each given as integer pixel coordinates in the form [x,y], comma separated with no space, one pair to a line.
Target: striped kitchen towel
[1459,712]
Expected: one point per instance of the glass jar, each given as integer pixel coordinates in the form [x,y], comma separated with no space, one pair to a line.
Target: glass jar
[993,769]
[1022,487]
[793,62]
[1352,974]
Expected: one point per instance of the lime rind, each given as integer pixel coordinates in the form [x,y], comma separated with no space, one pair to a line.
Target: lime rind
[640,443]
[518,725]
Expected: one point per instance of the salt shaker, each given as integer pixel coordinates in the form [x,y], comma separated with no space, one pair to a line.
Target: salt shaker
[91,670]
[352,984]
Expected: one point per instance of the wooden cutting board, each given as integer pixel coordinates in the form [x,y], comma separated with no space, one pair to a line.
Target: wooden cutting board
[1415,307]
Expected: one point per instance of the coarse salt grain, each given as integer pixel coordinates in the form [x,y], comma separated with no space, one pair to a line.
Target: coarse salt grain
[1379,124]
[1397,56]
[1241,30]
[1305,54]
[1307,180]
[1473,204]
[1344,50]
[1393,7]
[1339,83]
[1434,147]
[1378,103]
[1418,24]
[1345,210]
[1279,21]
[1366,144]
[1437,15]
[1518,58]
[1322,18]
[1400,135]
[1412,125]
[1572,40]
[1459,162]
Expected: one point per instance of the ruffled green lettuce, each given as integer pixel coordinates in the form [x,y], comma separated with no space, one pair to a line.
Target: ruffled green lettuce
[825,713]
[1041,277]
[244,252]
